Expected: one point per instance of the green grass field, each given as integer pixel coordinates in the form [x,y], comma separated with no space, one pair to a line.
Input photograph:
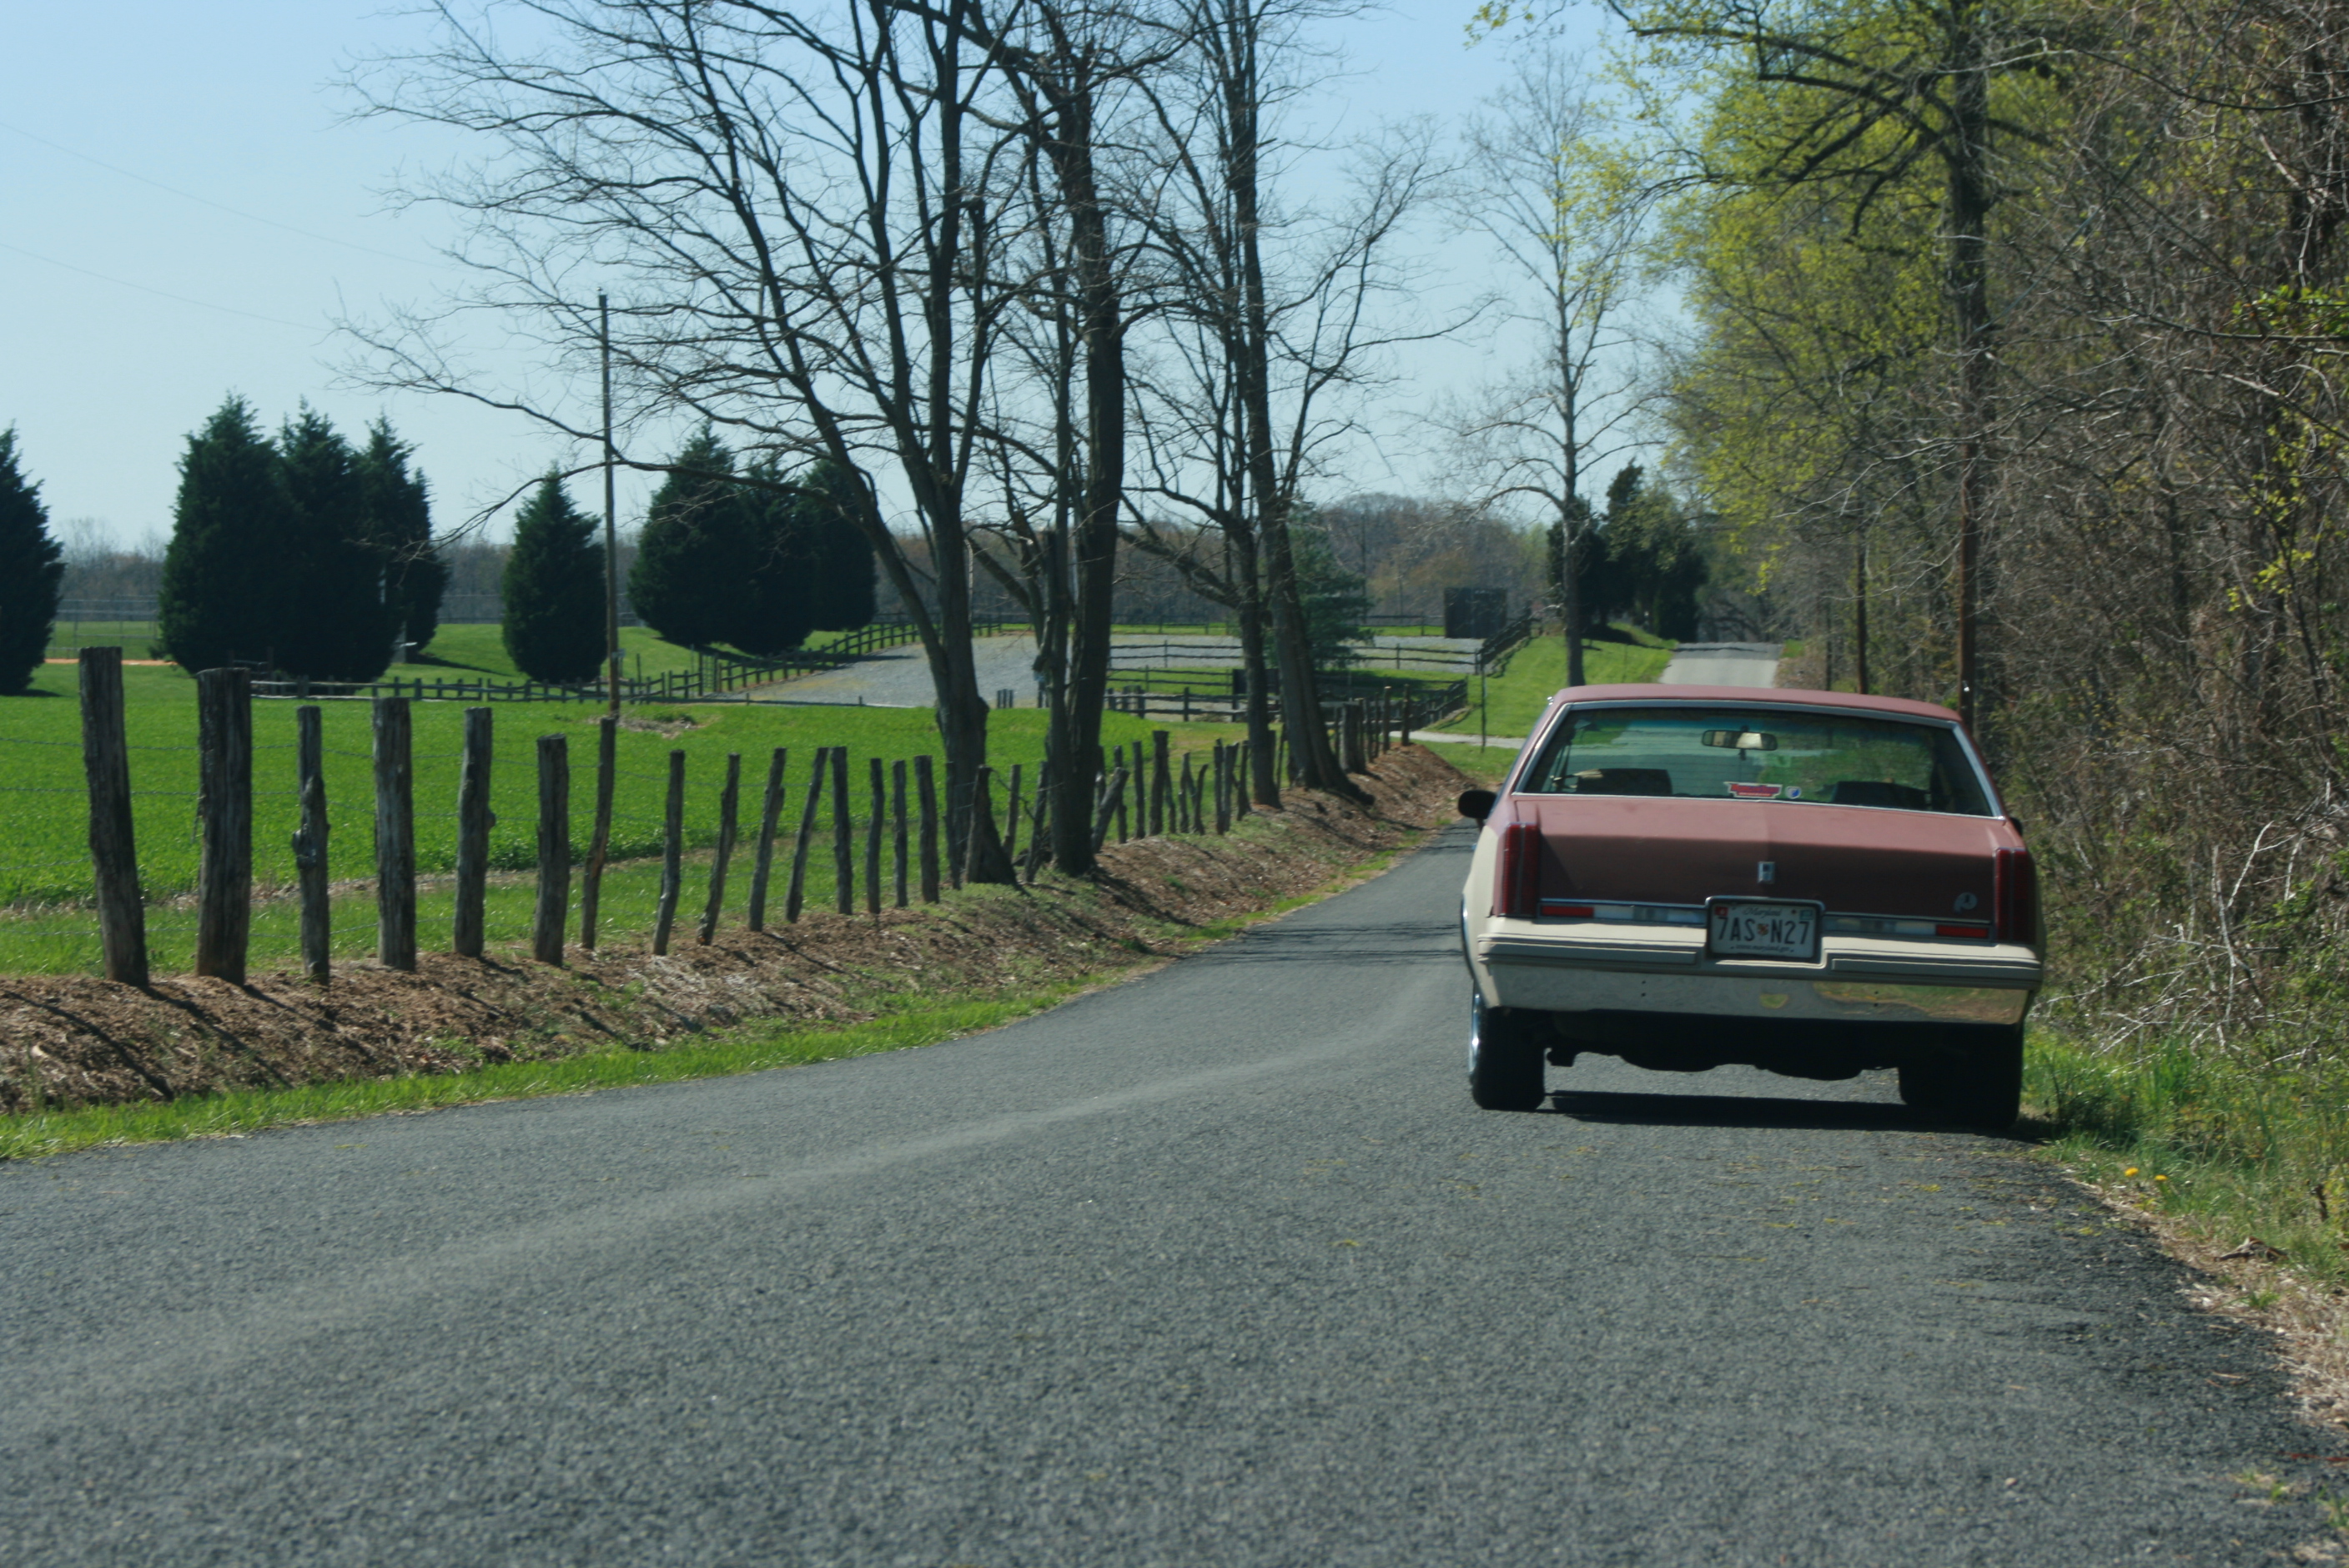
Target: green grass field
[470,652]
[475,652]
[45,879]
[1537,671]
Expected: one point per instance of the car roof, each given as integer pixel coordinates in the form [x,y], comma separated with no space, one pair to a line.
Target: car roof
[1754,695]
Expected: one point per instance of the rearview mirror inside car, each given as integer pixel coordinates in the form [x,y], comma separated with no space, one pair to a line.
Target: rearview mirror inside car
[1742,739]
[1476,804]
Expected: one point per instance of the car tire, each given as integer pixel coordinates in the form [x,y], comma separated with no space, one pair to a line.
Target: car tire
[1507,1053]
[1978,1082]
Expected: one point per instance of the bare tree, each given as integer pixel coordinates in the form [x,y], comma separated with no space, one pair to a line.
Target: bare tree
[1072,67]
[1569,222]
[1241,408]
[796,201]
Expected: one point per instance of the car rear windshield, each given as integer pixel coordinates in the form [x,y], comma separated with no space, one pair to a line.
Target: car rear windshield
[1759,754]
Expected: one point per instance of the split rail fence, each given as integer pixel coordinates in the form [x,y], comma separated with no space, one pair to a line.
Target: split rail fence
[896,840]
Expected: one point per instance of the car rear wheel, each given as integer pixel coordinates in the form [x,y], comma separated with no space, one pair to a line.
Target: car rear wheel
[1978,1081]
[1506,1053]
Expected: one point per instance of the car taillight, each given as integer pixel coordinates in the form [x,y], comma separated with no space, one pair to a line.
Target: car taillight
[1514,887]
[2015,896]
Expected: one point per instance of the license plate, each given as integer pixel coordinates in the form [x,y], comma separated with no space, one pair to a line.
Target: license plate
[1749,928]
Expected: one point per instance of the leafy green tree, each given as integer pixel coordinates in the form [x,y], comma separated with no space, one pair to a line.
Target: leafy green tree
[227,572]
[1871,104]
[553,590]
[32,573]
[396,515]
[335,625]
[692,562]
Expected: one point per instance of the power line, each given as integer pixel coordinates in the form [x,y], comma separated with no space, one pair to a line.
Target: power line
[208,202]
[159,293]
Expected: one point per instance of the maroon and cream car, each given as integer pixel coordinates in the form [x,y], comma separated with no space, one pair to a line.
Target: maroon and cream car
[1811,883]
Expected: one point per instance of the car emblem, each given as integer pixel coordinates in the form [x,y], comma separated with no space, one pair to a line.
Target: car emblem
[1966,901]
[1766,872]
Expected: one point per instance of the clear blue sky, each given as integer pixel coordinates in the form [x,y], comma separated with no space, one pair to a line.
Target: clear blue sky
[187,211]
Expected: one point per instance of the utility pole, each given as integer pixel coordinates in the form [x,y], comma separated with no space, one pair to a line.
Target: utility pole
[611,530]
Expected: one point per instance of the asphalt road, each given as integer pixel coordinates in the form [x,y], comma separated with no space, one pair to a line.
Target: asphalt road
[1723,664]
[1215,1268]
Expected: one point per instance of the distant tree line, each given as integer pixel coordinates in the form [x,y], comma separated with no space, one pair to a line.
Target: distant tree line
[302,553]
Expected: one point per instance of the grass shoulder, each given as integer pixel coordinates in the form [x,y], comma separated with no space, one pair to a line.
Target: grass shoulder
[1513,699]
[2236,1159]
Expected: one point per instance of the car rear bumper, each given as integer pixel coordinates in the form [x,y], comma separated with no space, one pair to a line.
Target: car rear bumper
[1564,968]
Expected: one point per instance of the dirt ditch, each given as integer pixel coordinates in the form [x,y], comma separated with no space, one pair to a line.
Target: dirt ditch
[79,1040]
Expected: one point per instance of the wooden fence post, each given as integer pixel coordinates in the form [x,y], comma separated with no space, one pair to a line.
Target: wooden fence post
[1223,783]
[793,894]
[224,804]
[844,836]
[898,790]
[1185,820]
[1241,786]
[672,852]
[599,845]
[1123,773]
[113,842]
[1038,816]
[1161,780]
[982,818]
[763,860]
[553,849]
[474,821]
[729,806]
[1112,788]
[874,826]
[926,786]
[394,835]
[310,844]
[1011,821]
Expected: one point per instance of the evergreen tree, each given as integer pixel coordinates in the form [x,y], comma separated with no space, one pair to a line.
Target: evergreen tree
[397,517]
[1332,597]
[1647,566]
[32,574]
[776,612]
[841,588]
[692,560]
[336,626]
[228,571]
[553,590]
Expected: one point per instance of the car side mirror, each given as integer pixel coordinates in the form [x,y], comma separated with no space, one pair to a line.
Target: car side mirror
[1477,804]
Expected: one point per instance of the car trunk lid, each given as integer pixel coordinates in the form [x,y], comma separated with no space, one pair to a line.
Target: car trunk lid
[1851,858]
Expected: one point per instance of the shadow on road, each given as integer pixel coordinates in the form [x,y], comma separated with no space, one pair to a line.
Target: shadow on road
[1380,943]
[1736,1110]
